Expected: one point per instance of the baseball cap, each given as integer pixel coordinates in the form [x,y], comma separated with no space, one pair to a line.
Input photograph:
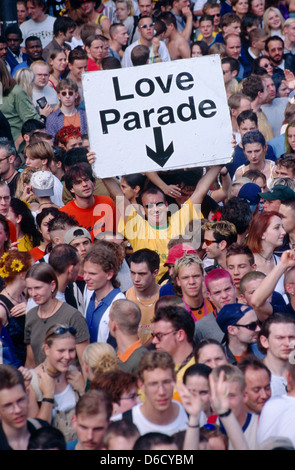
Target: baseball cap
[76,232]
[178,251]
[250,192]
[42,183]
[279,191]
[230,314]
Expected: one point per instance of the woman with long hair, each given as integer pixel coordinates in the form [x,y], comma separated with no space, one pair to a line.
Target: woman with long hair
[4,235]
[262,65]
[273,22]
[42,219]
[58,65]
[26,230]
[290,137]
[266,233]
[16,105]
[13,268]
[56,383]
[24,78]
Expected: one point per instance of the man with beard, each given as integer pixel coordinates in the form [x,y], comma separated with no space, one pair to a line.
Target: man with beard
[274,47]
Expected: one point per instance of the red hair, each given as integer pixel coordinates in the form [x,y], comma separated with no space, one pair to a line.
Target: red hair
[258,227]
[66,133]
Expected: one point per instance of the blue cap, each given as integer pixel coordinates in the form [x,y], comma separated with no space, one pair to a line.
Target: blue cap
[230,314]
[250,192]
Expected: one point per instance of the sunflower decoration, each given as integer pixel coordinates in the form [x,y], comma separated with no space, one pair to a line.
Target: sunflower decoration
[3,272]
[3,258]
[16,265]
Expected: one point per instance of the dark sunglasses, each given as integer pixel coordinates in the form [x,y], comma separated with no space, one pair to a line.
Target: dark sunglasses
[65,93]
[251,326]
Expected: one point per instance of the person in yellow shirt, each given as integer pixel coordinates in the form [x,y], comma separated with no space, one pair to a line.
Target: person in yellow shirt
[157,227]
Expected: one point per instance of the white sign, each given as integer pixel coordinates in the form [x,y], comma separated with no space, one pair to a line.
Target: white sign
[158,117]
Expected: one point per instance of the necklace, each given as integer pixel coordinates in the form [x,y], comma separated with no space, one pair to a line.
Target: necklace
[18,301]
[266,259]
[52,373]
[147,305]
[10,177]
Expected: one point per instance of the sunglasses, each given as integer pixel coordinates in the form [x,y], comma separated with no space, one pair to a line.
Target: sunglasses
[209,242]
[251,326]
[62,330]
[144,26]
[67,92]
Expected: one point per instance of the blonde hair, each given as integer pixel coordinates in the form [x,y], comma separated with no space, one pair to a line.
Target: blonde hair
[24,179]
[24,79]
[100,357]
[265,19]
[231,374]
[187,260]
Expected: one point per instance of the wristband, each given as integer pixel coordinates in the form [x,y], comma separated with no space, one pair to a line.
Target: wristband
[48,400]
[225,414]
[193,426]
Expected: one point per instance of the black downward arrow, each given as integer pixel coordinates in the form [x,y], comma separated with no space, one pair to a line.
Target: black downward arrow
[160,156]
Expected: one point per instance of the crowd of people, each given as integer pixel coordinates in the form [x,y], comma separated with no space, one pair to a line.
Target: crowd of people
[150,311]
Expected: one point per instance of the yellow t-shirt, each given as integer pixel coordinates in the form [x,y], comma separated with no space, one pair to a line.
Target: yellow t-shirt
[141,234]
[180,374]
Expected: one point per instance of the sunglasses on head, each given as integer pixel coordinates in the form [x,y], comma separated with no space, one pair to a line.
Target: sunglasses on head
[63,330]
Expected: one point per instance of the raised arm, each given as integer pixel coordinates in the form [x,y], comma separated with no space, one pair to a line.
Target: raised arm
[204,184]
[269,283]
[192,405]
[122,203]
[220,404]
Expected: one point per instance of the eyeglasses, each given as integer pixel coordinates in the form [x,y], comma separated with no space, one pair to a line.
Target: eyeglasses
[157,204]
[5,158]
[251,326]
[61,330]
[67,92]
[144,26]
[159,335]
[156,385]
[209,242]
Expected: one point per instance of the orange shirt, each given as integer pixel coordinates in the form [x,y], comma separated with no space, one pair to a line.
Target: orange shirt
[37,253]
[97,218]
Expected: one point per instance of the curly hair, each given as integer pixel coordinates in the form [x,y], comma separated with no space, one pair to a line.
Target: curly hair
[13,263]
